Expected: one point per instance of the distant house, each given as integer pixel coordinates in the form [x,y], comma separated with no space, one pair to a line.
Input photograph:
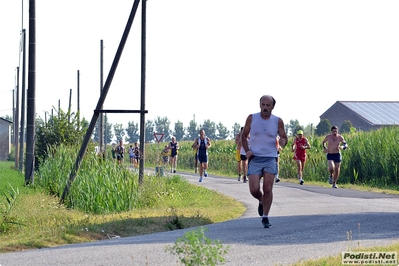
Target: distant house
[5,139]
[363,115]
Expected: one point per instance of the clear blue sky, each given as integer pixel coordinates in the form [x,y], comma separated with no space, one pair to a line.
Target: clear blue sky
[208,59]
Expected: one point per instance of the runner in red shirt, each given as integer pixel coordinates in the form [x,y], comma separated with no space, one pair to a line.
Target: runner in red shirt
[299,148]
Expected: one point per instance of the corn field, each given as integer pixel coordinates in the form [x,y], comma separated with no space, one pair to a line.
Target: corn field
[372,158]
[101,186]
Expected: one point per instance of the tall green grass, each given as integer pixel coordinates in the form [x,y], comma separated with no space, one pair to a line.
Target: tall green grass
[100,186]
[103,187]
[373,158]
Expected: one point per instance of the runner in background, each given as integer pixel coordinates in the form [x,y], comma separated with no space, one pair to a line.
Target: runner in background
[238,153]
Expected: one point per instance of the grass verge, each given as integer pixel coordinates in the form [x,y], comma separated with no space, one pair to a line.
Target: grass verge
[40,221]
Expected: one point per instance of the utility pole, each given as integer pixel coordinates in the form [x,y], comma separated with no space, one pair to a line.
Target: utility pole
[143,71]
[70,106]
[23,103]
[31,111]
[78,97]
[16,122]
[101,120]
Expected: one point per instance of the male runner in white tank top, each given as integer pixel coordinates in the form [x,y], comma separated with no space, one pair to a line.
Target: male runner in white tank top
[263,127]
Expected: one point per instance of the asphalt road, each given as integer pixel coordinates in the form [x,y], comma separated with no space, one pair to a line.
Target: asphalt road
[307,223]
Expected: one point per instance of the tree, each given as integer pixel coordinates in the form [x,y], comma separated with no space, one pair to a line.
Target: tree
[210,129]
[7,117]
[297,128]
[179,131]
[149,131]
[236,129]
[309,129]
[162,125]
[292,127]
[132,132]
[324,127]
[346,126]
[60,129]
[95,136]
[107,131]
[108,134]
[223,133]
[192,130]
[119,132]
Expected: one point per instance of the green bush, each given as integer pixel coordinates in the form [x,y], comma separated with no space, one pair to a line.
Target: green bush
[194,248]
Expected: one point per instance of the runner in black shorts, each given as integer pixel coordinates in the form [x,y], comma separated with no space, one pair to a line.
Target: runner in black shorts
[335,143]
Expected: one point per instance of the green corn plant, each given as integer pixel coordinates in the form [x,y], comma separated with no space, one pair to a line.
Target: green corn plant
[7,220]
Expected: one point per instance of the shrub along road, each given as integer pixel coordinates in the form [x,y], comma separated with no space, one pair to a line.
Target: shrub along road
[307,223]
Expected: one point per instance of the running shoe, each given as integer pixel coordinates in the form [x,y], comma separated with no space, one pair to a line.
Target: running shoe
[334,185]
[174,171]
[244,179]
[265,222]
[277,179]
[330,179]
[200,180]
[260,209]
[301,181]
[239,178]
[205,174]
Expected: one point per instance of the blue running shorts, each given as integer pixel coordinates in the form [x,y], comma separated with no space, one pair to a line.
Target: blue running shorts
[258,165]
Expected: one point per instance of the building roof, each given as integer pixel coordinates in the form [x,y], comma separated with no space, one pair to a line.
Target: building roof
[6,120]
[375,112]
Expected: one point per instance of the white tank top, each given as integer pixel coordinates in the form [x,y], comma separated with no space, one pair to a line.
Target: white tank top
[263,135]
